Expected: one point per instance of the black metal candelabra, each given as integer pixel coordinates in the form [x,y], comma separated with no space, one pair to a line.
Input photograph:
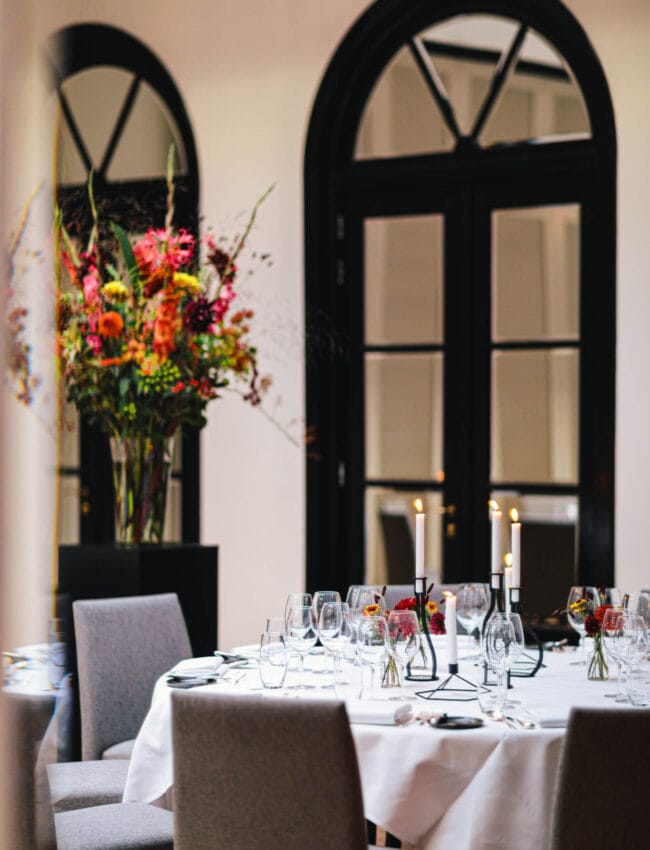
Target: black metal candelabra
[530,664]
[420,591]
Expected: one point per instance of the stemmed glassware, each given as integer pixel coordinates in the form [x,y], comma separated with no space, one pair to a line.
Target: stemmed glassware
[296,599]
[302,633]
[577,618]
[371,644]
[403,642]
[472,601]
[624,637]
[329,626]
[500,649]
[323,596]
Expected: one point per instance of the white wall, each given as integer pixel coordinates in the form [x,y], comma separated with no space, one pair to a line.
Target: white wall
[248,73]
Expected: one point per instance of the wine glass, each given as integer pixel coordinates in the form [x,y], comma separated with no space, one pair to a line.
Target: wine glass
[403,642]
[371,644]
[296,599]
[368,600]
[329,626]
[580,599]
[302,633]
[624,637]
[351,595]
[323,596]
[499,647]
[517,649]
[472,602]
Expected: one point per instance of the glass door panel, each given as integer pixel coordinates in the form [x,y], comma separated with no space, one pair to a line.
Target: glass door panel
[403,279]
[390,530]
[404,407]
[536,273]
[549,537]
[535,416]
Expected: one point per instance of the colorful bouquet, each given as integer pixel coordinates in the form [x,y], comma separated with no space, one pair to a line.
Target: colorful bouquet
[146,334]
[592,611]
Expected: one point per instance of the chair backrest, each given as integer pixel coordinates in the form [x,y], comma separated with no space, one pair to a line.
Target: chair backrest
[272,773]
[123,646]
[601,790]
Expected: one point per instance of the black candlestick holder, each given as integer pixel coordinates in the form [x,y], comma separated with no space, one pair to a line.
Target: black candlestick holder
[529,663]
[420,591]
[445,691]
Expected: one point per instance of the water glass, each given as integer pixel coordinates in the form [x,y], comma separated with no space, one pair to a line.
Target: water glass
[302,633]
[274,659]
[638,684]
[276,624]
[371,644]
[348,677]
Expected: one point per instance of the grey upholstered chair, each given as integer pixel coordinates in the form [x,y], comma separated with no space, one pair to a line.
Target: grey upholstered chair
[26,718]
[135,826]
[123,646]
[278,774]
[77,784]
[602,782]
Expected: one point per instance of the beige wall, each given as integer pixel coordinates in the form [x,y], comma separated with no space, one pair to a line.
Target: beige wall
[248,73]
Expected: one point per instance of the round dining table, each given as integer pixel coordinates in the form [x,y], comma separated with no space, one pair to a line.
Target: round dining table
[434,786]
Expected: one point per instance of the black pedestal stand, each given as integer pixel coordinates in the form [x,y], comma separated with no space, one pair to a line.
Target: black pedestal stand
[528,665]
[442,692]
[420,590]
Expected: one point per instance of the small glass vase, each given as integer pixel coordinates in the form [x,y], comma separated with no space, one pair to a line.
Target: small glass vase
[141,465]
[597,669]
[390,677]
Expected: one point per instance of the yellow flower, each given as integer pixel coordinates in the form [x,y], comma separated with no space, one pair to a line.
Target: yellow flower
[431,607]
[115,291]
[188,282]
[370,610]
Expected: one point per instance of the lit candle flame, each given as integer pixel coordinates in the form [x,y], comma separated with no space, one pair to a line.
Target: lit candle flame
[447,593]
[508,559]
[514,515]
[417,504]
[493,505]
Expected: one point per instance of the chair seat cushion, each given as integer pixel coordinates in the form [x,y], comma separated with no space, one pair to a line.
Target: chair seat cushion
[129,826]
[79,784]
[122,750]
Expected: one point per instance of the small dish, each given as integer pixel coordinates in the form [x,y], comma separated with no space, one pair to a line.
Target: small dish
[446,721]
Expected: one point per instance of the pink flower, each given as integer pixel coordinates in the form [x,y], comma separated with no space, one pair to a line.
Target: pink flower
[222,303]
[94,342]
[91,287]
[160,248]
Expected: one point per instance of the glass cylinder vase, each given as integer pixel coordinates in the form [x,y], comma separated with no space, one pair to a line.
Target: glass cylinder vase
[597,668]
[141,465]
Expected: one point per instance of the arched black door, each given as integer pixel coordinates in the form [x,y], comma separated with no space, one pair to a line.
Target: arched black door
[487,367]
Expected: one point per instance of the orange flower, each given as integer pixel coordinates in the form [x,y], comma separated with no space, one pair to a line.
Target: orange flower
[110,361]
[165,327]
[431,607]
[110,324]
[370,610]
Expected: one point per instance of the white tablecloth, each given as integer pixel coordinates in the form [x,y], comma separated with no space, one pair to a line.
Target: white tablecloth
[479,789]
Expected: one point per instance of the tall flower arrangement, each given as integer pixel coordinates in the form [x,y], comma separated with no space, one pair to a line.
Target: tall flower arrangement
[148,334]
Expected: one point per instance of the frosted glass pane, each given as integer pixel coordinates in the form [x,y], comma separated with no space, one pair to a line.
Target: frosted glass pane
[403,280]
[404,416]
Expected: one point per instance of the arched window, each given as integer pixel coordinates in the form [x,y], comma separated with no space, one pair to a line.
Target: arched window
[119,112]
[460,249]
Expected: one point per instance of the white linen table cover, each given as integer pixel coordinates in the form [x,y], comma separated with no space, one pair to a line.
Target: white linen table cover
[479,789]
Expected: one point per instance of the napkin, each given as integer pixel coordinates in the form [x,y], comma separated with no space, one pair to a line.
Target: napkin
[377,713]
[196,667]
[548,718]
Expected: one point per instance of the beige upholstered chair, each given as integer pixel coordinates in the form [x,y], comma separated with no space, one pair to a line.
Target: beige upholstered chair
[277,774]
[123,646]
[603,778]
